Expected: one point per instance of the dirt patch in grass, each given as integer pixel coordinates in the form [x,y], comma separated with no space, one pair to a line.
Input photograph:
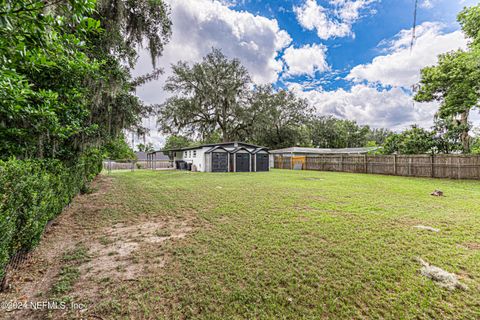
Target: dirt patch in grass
[472,245]
[114,252]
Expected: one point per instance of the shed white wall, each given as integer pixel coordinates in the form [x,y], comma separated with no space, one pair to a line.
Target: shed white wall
[208,161]
[194,156]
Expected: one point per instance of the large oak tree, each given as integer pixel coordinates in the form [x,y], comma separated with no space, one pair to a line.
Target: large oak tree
[208,96]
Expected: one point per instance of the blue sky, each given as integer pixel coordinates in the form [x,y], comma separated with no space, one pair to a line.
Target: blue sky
[378,21]
[348,58]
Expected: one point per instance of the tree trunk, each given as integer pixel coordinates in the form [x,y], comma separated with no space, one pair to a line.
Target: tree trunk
[465,138]
[224,122]
[225,137]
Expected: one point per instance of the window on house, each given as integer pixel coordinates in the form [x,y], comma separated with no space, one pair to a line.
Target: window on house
[184,154]
[194,153]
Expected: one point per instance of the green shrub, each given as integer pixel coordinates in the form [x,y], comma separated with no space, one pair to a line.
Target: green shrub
[33,192]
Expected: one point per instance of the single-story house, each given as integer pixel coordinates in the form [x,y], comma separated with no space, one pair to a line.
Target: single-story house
[222,157]
[143,156]
[300,151]
[296,156]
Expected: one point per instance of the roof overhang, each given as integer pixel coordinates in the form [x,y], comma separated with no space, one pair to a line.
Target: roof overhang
[216,148]
[260,149]
[236,144]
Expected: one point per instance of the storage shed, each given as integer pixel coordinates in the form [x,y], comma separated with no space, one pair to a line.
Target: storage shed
[221,157]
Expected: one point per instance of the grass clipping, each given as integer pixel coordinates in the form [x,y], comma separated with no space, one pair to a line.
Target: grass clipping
[441,277]
[422,227]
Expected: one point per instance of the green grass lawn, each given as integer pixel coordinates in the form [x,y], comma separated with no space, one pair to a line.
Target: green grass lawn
[298,244]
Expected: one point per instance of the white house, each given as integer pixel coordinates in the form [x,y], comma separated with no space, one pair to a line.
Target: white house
[221,157]
[301,151]
[298,155]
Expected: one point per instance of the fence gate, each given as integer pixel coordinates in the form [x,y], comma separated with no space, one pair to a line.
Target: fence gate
[298,163]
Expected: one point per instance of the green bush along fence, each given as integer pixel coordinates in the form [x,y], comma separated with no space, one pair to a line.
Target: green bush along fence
[33,192]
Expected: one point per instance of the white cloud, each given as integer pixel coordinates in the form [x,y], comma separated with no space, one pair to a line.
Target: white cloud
[393,108]
[306,60]
[348,10]
[331,22]
[427,4]
[202,24]
[380,94]
[401,66]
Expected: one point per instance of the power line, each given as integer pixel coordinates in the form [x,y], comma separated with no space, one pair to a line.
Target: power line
[414,25]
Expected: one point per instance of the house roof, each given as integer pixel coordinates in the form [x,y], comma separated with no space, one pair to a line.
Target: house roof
[223,144]
[324,150]
[142,156]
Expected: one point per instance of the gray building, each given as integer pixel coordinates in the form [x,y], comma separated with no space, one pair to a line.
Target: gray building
[296,156]
[301,151]
[143,156]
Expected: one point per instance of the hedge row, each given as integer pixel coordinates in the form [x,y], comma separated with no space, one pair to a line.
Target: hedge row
[33,192]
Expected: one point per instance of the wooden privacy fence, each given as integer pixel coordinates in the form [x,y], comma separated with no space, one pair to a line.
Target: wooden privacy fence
[433,166]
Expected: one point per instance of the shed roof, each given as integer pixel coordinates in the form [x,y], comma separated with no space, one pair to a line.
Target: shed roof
[324,150]
[215,148]
[259,149]
[234,144]
[240,148]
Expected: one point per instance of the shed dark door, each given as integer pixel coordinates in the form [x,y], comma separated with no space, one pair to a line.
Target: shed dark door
[219,162]
[262,162]
[243,162]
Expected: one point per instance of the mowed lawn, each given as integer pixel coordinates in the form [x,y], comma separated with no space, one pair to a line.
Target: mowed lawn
[299,244]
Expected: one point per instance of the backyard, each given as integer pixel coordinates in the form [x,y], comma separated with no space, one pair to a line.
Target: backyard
[279,244]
